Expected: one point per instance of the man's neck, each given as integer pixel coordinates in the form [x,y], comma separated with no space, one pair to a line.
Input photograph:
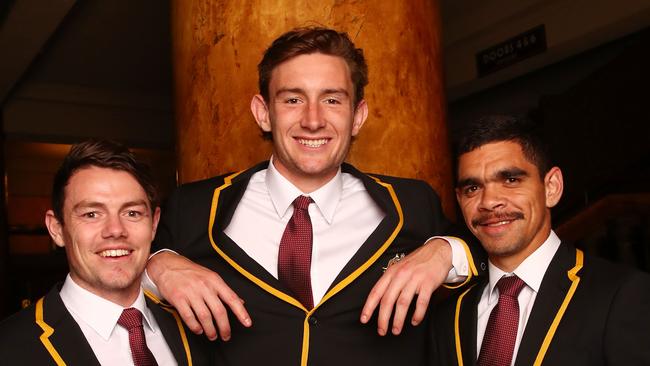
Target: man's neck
[124,297]
[304,182]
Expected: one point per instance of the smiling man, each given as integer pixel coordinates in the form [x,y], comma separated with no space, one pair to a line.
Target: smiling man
[545,302]
[105,216]
[290,254]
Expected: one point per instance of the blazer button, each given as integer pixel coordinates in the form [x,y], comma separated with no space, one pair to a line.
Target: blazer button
[312,320]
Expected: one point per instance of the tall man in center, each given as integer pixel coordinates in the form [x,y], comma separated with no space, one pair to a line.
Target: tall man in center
[305,239]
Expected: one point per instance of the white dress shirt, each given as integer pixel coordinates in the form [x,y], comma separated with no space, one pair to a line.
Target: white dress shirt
[97,318]
[343,216]
[531,271]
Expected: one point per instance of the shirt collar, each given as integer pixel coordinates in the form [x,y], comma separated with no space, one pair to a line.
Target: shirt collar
[100,314]
[283,193]
[531,270]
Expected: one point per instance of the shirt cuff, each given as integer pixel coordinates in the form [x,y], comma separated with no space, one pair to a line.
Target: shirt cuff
[146,281]
[459,262]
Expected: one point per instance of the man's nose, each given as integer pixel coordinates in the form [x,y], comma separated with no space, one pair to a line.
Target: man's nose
[114,227]
[492,198]
[313,119]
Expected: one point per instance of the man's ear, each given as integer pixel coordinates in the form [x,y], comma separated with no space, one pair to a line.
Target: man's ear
[360,116]
[55,227]
[261,113]
[155,220]
[554,185]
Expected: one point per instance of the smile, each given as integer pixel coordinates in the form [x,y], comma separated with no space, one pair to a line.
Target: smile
[313,143]
[492,224]
[114,253]
[497,219]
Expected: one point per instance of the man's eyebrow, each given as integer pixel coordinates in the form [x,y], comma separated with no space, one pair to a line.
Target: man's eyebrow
[512,172]
[302,91]
[336,91]
[135,203]
[466,182]
[87,204]
[94,204]
[289,90]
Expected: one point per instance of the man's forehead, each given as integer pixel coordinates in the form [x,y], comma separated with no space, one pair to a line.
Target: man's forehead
[91,182]
[315,60]
[494,158]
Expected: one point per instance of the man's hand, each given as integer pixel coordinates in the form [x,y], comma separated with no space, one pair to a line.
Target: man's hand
[419,273]
[197,293]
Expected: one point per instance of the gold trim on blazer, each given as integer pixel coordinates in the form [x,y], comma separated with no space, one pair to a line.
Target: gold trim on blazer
[179,324]
[575,280]
[459,351]
[47,332]
[286,297]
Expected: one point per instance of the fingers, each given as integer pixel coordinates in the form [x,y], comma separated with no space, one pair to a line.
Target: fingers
[422,303]
[374,297]
[219,305]
[388,300]
[201,298]
[186,313]
[215,309]
[234,303]
[402,306]
[416,276]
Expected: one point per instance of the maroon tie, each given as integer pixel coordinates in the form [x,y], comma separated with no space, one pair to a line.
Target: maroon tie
[501,331]
[131,319]
[294,257]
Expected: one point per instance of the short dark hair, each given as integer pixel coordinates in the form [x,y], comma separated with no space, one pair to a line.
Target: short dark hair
[497,128]
[304,41]
[103,154]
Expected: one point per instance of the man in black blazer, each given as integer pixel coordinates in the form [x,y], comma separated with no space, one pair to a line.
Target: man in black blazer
[105,216]
[572,309]
[311,104]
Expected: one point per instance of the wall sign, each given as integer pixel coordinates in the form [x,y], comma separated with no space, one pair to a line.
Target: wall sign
[511,51]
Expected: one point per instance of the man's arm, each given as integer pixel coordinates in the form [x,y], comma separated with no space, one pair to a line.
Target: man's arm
[418,274]
[198,294]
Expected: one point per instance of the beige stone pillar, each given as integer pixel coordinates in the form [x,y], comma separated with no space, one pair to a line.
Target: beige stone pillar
[216,48]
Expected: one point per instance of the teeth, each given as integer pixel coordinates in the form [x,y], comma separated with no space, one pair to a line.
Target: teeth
[114,253]
[499,223]
[313,143]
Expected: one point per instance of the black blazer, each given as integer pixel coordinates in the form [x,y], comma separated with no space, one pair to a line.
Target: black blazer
[46,334]
[602,312]
[283,331]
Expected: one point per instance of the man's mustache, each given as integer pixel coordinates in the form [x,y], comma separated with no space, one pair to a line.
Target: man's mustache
[498,216]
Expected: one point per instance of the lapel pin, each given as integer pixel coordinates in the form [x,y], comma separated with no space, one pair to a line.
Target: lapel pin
[398,257]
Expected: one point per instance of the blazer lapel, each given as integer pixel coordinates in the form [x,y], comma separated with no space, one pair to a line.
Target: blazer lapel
[380,236]
[552,292]
[229,196]
[67,339]
[171,332]
[466,319]
[230,193]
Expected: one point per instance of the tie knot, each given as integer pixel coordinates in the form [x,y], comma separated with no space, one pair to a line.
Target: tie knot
[302,202]
[510,286]
[130,318]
